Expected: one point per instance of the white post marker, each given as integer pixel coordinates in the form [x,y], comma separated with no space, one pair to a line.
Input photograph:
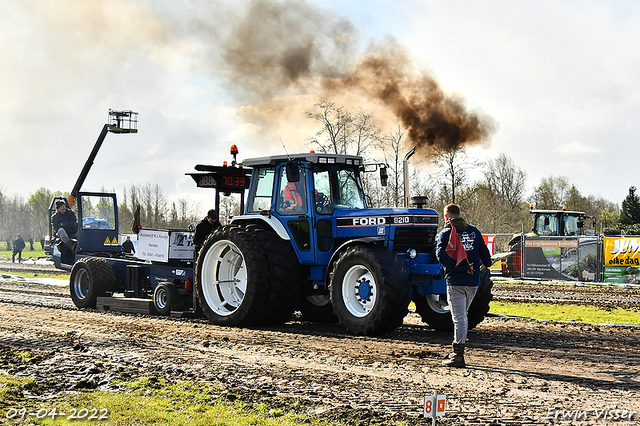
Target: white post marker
[434,406]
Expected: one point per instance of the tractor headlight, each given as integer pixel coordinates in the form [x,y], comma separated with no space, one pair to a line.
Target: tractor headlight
[412,253]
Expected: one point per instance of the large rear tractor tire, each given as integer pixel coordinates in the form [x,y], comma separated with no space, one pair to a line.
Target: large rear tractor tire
[370,290]
[90,278]
[434,308]
[232,276]
[286,275]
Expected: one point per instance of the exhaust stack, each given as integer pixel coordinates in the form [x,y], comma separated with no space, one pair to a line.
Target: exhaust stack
[406,176]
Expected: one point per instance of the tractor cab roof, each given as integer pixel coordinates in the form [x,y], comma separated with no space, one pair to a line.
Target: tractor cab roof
[567,212]
[311,157]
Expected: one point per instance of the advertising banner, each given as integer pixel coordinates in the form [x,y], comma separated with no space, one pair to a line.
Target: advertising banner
[621,259]
[153,244]
[181,247]
[165,246]
[563,258]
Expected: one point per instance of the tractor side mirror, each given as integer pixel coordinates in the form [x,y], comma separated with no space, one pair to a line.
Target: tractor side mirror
[293,171]
[383,176]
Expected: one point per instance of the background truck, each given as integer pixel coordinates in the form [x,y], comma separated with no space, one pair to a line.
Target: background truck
[306,241]
[548,223]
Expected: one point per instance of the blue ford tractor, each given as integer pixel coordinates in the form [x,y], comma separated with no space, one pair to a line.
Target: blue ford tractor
[308,241]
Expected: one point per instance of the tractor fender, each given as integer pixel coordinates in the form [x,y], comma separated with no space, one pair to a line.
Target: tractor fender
[343,246]
[271,221]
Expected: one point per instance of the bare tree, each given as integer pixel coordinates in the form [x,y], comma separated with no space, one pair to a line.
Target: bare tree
[334,120]
[454,165]
[552,193]
[229,207]
[506,180]
[391,147]
[342,131]
[365,132]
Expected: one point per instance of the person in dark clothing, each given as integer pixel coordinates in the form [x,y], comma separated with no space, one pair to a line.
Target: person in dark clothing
[127,246]
[18,245]
[461,253]
[65,224]
[203,229]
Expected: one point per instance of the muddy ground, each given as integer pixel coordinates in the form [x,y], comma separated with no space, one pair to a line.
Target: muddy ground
[520,372]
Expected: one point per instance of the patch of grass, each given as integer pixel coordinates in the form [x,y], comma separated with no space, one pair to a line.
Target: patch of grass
[577,313]
[150,400]
[36,252]
[25,254]
[59,276]
[23,355]
[10,388]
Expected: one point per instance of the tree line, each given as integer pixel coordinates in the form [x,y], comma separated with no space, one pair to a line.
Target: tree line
[498,202]
[31,218]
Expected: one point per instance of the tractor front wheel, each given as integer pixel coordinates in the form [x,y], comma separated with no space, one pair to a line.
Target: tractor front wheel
[370,290]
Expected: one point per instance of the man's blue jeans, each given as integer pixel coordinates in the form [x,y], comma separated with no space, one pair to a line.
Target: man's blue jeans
[459,298]
[64,236]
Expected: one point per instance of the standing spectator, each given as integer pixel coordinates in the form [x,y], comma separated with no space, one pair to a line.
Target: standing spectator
[203,229]
[18,245]
[460,248]
[127,246]
[65,224]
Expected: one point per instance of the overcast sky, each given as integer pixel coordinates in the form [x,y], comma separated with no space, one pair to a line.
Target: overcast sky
[558,82]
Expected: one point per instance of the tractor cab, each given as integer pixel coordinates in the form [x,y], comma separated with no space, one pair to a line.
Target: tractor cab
[555,223]
[303,195]
[97,231]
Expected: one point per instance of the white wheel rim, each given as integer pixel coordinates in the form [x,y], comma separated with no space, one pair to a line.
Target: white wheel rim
[359,291]
[224,277]
[438,303]
[161,298]
[81,283]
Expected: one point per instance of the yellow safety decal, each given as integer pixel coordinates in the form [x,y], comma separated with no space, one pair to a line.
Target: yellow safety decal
[107,242]
[115,241]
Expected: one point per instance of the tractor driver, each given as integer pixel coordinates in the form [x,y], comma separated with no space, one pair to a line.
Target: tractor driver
[294,195]
[65,224]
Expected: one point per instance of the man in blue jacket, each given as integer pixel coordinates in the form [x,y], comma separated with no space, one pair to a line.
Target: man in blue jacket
[65,224]
[462,259]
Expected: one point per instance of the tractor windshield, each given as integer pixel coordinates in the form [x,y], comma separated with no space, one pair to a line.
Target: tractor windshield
[350,192]
[571,225]
[98,212]
[546,224]
[261,190]
[337,188]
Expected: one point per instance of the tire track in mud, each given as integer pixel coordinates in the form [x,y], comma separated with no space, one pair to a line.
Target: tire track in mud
[518,369]
[333,373]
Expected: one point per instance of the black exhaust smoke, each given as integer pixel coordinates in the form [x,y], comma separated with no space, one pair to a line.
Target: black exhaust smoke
[292,47]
